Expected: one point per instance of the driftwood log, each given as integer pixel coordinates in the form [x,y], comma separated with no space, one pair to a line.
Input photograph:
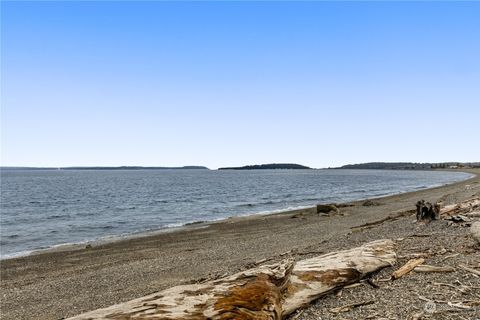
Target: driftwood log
[265,292]
[466,207]
[313,278]
[406,268]
[427,268]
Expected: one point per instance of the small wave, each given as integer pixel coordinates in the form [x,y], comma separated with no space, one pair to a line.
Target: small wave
[15,254]
[176,224]
[56,216]
[269,202]
[361,191]
[195,222]
[267,212]
[126,208]
[423,187]
[251,205]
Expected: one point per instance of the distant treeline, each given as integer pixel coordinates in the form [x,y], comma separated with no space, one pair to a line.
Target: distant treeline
[106,168]
[411,165]
[268,166]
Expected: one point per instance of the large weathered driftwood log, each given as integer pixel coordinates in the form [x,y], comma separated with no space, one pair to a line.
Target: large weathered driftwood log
[252,294]
[266,292]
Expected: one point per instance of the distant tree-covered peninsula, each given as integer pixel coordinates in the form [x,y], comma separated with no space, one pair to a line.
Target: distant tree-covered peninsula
[268,166]
[410,165]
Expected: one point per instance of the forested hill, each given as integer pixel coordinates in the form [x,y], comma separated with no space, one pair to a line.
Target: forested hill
[410,165]
[268,166]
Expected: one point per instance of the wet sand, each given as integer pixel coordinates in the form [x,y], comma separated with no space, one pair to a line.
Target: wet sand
[62,283]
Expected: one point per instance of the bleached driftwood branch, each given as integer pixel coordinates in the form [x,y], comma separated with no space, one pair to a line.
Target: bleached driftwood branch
[265,292]
[464,207]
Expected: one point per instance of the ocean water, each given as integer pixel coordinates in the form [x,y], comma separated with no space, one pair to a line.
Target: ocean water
[41,209]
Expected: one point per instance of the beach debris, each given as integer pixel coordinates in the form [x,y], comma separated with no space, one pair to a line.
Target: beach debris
[390,217]
[473,214]
[450,256]
[459,304]
[414,255]
[349,307]
[406,268]
[420,235]
[344,205]
[328,208]
[428,268]
[297,315]
[458,219]
[462,288]
[266,292]
[353,285]
[427,211]
[468,206]
[471,270]
[371,283]
[371,203]
[298,215]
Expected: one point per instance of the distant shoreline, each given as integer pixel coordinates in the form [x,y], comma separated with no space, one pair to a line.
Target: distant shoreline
[108,168]
[270,166]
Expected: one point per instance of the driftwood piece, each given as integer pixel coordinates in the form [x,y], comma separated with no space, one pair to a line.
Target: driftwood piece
[473,271]
[427,268]
[473,214]
[266,292]
[461,208]
[406,268]
[313,278]
[391,217]
[349,307]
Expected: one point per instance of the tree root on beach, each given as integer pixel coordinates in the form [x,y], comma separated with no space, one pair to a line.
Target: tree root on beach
[266,292]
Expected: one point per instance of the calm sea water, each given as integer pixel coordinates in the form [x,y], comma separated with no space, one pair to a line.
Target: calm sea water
[40,209]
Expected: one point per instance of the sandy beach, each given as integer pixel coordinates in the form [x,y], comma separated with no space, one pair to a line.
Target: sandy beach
[70,281]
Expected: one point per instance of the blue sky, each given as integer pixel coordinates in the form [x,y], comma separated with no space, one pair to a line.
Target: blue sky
[234,83]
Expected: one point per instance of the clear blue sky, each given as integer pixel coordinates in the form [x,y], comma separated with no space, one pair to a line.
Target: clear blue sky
[221,84]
